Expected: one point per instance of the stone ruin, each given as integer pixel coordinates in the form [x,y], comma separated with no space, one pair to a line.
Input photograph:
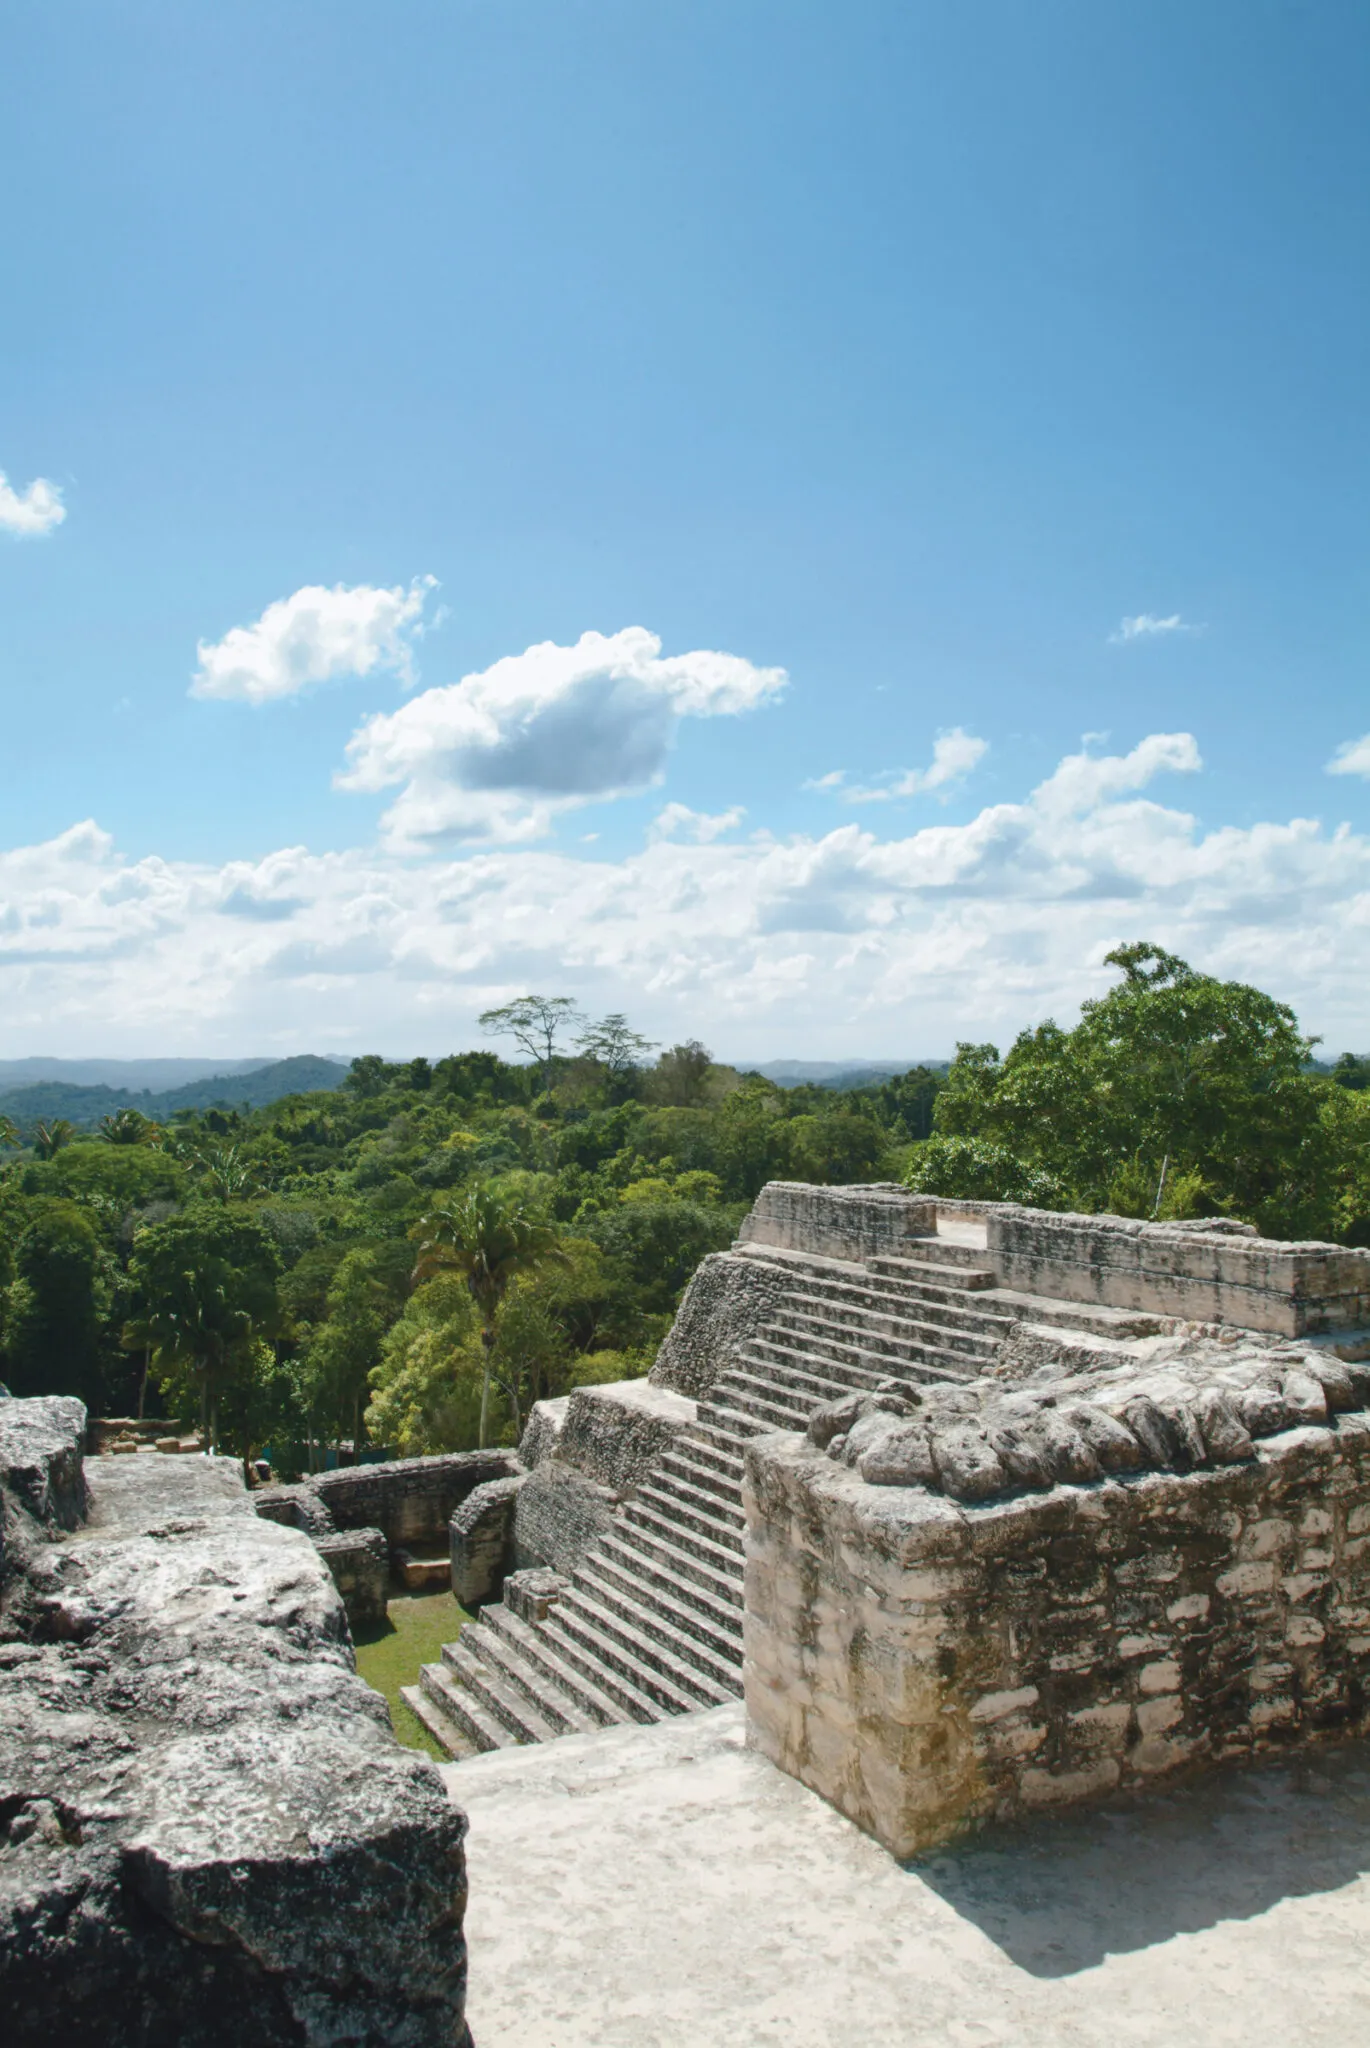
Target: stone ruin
[985,1509]
[208,1832]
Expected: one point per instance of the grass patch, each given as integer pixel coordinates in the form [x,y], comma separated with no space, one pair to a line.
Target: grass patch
[413,1633]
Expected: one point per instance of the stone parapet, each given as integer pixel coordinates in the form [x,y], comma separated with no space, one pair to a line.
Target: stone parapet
[481,1540]
[1207,1272]
[926,1664]
[854,1223]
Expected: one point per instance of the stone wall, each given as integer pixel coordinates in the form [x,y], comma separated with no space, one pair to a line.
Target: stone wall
[926,1662]
[615,1433]
[208,1833]
[559,1516]
[359,1564]
[410,1500]
[730,1299]
[855,1223]
[480,1537]
[1216,1272]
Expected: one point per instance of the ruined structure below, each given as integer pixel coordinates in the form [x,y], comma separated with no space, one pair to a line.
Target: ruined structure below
[208,1833]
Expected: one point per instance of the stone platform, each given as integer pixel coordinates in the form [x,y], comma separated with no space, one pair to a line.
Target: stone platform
[665,1887]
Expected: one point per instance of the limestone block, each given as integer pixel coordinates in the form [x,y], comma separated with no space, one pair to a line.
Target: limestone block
[532,1594]
[542,1432]
[614,1434]
[359,1561]
[481,1537]
[206,1809]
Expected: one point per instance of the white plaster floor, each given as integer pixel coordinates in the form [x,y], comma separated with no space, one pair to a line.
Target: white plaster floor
[666,1888]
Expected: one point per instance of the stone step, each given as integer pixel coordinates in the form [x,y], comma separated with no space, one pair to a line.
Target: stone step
[581,1632]
[480,1729]
[692,1608]
[707,1512]
[677,1464]
[641,1610]
[910,1339]
[727,1427]
[723,1460]
[772,1408]
[542,1666]
[892,1321]
[475,1664]
[805,1384]
[829,1359]
[500,1652]
[680,1683]
[935,1255]
[440,1725]
[722,1552]
[874,1294]
[628,1543]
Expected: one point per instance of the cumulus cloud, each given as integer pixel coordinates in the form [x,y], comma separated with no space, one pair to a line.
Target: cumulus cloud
[32,512]
[954,755]
[811,945]
[497,756]
[316,636]
[1351,758]
[678,821]
[1146,626]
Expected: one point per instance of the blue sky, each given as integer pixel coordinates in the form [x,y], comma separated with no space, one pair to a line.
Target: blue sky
[906,349]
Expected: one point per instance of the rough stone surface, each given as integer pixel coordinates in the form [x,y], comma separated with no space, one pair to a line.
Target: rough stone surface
[925,1663]
[856,1223]
[559,1517]
[532,1594]
[359,1561]
[410,1500]
[481,1538]
[542,1431]
[1213,1271]
[208,1833]
[615,1433]
[1232,1912]
[730,1299]
[295,1507]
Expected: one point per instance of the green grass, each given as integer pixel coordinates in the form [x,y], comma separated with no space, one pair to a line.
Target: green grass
[415,1629]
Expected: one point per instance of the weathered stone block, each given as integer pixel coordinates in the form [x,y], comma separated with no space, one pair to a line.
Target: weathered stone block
[359,1561]
[615,1433]
[854,1223]
[481,1534]
[559,1516]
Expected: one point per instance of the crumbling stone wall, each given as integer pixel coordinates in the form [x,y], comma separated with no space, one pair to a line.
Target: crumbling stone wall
[729,1300]
[410,1500]
[929,1652]
[208,1833]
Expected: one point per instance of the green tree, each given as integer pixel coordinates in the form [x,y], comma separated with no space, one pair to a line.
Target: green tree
[832,1149]
[57,1303]
[537,1024]
[619,1050]
[205,1283]
[490,1236]
[130,1127]
[365,1295]
[48,1139]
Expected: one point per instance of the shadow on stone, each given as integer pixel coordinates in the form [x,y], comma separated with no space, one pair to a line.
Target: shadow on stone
[1061,1896]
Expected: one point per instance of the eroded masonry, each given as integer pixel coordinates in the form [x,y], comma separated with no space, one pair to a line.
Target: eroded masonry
[985,1509]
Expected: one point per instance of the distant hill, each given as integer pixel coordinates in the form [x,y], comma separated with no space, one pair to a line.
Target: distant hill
[137,1076]
[837,1074]
[231,1087]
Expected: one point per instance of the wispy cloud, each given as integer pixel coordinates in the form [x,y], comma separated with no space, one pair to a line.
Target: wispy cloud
[1351,758]
[316,636]
[1147,626]
[954,755]
[33,512]
[678,821]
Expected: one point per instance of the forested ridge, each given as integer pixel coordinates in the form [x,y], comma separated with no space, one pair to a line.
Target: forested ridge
[413,1258]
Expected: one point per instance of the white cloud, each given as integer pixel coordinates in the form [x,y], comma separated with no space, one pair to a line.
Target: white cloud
[678,821]
[497,756]
[315,636]
[1351,758]
[815,945]
[34,511]
[1146,626]
[954,755]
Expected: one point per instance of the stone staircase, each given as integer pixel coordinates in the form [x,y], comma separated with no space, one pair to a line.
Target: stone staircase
[650,1624]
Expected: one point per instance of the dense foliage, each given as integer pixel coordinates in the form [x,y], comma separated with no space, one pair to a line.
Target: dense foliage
[388,1261]
[1176,1095]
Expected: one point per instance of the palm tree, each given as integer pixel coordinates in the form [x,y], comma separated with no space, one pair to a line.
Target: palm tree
[490,1236]
[130,1127]
[9,1132]
[48,1139]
